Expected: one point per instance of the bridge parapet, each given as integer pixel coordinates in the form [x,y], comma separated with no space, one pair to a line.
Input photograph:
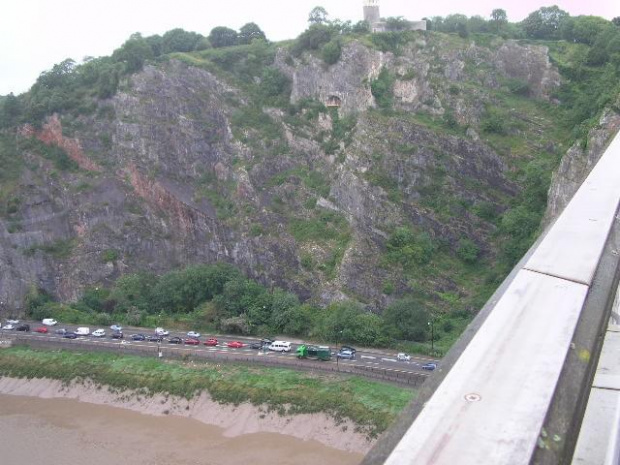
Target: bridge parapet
[514,388]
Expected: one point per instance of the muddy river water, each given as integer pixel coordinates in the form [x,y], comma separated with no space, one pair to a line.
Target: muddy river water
[63,431]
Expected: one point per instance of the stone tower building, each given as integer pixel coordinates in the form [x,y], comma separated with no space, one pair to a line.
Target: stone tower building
[371,12]
[373,18]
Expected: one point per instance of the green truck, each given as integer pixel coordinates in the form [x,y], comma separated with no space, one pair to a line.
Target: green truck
[318,352]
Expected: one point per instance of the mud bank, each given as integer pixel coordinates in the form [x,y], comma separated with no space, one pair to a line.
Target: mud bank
[233,420]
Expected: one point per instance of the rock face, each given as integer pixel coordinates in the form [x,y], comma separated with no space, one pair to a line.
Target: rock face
[577,164]
[172,171]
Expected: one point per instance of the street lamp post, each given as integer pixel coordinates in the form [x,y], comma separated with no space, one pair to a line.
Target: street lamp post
[338,336]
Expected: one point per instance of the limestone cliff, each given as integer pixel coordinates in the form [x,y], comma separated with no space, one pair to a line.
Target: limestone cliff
[173,171]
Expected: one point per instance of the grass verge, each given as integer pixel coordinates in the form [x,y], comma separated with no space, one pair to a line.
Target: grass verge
[373,406]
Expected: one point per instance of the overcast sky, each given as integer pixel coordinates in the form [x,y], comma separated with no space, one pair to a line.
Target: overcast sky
[36,34]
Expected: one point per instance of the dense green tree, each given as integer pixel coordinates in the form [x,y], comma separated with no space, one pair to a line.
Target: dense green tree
[223,37]
[584,29]
[361,27]
[477,24]
[133,53]
[275,86]
[453,23]
[300,320]
[10,111]
[382,89]
[203,44]
[249,32]
[134,291]
[545,23]
[156,43]
[61,75]
[397,24]
[409,248]
[283,307]
[499,18]
[407,319]
[616,21]
[312,38]
[331,51]
[467,250]
[348,322]
[518,227]
[179,40]
[318,15]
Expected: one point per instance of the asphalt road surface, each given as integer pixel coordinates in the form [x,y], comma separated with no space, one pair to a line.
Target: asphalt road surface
[383,359]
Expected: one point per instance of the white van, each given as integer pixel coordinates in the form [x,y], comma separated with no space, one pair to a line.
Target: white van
[83,331]
[280,346]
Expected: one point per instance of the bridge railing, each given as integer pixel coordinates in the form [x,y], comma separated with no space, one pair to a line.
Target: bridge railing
[514,388]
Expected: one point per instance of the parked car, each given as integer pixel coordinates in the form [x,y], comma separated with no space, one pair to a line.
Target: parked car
[161,332]
[61,331]
[349,348]
[175,340]
[98,333]
[211,342]
[235,344]
[154,338]
[193,334]
[9,326]
[138,337]
[402,357]
[23,327]
[42,329]
[116,327]
[256,345]
[192,341]
[70,335]
[429,366]
[345,354]
[117,335]
[49,322]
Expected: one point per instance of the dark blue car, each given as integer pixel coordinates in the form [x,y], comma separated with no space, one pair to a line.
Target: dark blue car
[70,336]
[138,337]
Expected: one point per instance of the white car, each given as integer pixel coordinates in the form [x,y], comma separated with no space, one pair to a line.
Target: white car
[98,333]
[161,332]
[49,322]
[8,326]
[193,334]
[116,327]
[13,322]
[402,357]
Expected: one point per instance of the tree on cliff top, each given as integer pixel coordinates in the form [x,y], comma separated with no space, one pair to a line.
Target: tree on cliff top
[318,15]
[223,37]
[249,32]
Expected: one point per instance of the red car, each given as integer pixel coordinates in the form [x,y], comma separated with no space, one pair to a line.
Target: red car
[211,342]
[192,341]
[42,329]
[235,344]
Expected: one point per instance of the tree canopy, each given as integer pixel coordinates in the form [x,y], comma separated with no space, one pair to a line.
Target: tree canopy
[249,32]
[221,36]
